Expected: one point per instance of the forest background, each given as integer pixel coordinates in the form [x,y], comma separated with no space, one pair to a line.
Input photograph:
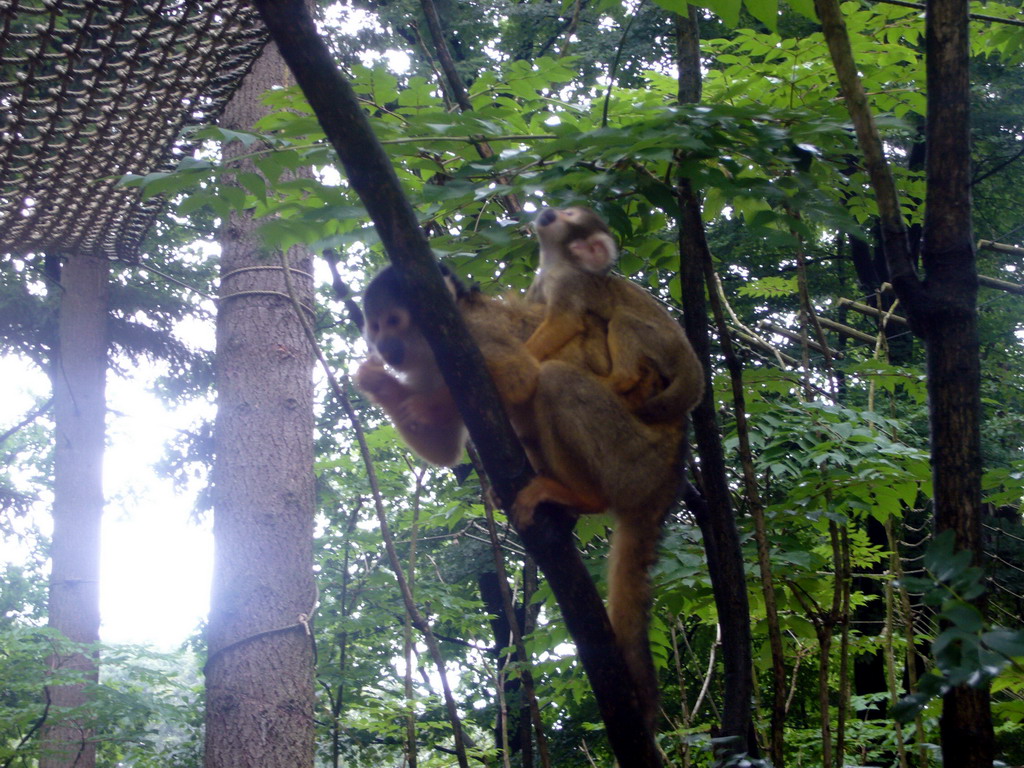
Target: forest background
[581,104]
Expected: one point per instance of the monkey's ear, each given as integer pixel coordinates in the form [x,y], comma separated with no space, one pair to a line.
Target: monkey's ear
[596,252]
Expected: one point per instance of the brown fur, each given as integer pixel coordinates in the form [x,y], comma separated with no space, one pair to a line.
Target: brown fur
[652,363]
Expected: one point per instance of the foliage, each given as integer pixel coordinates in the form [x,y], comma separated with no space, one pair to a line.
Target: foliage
[143,710]
[967,650]
[839,448]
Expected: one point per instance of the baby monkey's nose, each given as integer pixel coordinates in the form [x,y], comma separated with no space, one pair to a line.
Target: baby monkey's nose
[547,216]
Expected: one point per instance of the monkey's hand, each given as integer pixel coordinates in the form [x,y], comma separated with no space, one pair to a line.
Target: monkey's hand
[553,334]
[620,383]
[635,387]
[373,378]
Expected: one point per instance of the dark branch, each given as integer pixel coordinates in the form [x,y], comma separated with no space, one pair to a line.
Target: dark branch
[551,544]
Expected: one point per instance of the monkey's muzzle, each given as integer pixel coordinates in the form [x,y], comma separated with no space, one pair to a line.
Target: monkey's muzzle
[547,216]
[393,352]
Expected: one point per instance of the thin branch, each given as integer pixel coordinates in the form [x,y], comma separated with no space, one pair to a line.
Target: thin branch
[1000,166]
[36,725]
[385,530]
[458,90]
[615,63]
[32,415]
[975,16]
[568,29]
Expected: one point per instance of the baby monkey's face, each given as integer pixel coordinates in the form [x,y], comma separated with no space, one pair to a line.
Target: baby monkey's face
[578,235]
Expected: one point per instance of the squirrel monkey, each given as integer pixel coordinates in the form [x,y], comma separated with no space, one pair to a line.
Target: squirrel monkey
[652,363]
[590,451]
[419,403]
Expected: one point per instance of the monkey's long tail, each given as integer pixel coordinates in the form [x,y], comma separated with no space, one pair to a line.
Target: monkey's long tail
[633,552]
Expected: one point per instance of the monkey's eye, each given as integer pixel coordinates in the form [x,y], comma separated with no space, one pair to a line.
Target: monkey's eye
[374,327]
[393,321]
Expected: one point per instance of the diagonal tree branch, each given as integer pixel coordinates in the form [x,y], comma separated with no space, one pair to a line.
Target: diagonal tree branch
[894,232]
[372,176]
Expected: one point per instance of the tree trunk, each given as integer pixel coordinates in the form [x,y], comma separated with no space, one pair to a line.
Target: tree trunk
[259,675]
[950,329]
[716,520]
[79,410]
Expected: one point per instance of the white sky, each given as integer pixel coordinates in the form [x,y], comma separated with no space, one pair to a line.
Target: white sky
[156,561]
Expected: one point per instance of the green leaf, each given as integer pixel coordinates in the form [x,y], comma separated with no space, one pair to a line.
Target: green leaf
[769,287]
[194,202]
[254,183]
[226,135]
[1006,642]
[590,527]
[804,7]
[234,196]
[965,616]
[765,11]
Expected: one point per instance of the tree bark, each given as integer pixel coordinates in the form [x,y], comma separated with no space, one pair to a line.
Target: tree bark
[259,673]
[951,339]
[79,409]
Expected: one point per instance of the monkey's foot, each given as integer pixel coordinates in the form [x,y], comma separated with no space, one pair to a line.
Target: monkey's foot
[545,490]
[622,383]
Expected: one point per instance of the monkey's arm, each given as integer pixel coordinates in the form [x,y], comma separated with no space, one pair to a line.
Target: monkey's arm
[427,421]
[557,330]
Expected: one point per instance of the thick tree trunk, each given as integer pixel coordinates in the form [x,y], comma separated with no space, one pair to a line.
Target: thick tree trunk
[79,409]
[259,675]
[951,338]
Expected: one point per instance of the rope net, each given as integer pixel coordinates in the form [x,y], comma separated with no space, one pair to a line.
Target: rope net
[93,89]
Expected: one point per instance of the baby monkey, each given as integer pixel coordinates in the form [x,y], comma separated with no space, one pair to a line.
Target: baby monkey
[653,365]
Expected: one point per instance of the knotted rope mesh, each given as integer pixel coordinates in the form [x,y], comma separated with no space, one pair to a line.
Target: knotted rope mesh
[93,89]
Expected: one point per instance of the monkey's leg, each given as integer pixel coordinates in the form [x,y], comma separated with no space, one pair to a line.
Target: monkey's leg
[542,490]
[514,371]
[590,442]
